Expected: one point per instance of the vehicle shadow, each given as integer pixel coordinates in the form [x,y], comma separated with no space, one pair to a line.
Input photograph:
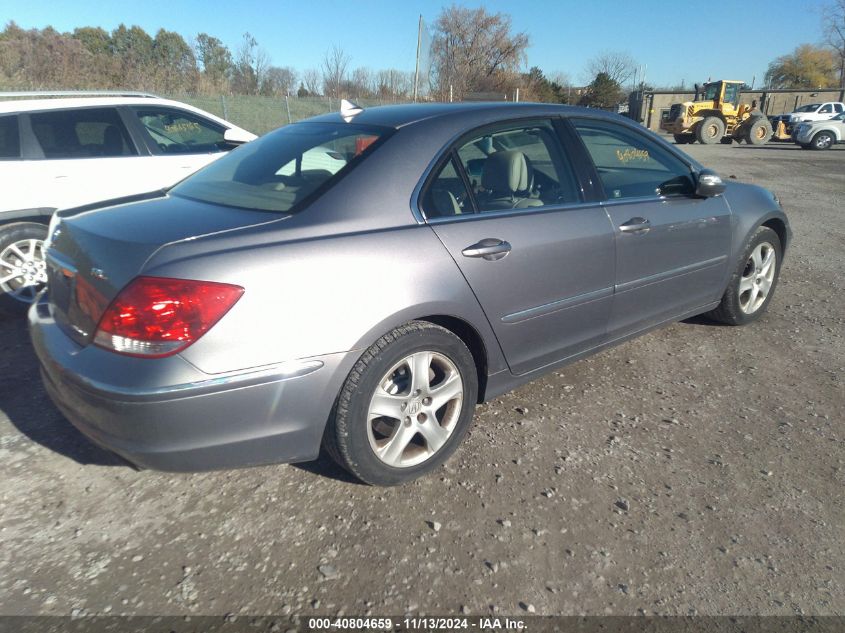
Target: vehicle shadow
[325,466]
[24,401]
[785,146]
[700,319]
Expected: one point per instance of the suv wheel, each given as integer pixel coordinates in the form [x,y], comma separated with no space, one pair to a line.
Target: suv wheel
[23,270]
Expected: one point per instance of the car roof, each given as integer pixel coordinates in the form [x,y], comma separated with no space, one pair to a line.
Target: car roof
[67,103]
[16,106]
[397,116]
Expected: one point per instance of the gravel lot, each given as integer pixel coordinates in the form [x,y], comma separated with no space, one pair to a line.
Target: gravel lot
[696,470]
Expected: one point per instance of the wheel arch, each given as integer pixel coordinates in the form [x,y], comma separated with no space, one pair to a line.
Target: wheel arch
[779,227]
[471,338]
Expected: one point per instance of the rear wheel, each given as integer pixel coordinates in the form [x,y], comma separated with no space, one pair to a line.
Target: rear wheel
[23,271]
[753,283]
[822,140]
[759,131]
[710,130]
[405,406]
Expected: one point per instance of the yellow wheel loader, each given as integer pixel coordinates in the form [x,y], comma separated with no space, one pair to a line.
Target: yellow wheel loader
[716,116]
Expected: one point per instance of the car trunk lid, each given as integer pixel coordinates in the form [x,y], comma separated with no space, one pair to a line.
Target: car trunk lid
[93,254]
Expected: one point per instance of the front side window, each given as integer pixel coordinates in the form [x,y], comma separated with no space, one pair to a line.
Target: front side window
[732,94]
[280,170]
[10,142]
[518,167]
[179,132]
[826,109]
[631,165]
[84,133]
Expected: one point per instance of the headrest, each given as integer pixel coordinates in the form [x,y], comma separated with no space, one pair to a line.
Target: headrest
[505,171]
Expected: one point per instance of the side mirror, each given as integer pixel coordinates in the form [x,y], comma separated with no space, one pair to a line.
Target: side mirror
[709,184]
[237,137]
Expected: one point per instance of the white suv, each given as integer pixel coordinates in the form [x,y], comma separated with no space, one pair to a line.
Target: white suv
[57,153]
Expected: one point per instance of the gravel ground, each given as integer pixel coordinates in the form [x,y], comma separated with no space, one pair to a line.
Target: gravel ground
[696,470]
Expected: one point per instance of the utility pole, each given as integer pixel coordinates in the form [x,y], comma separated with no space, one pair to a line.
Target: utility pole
[417,67]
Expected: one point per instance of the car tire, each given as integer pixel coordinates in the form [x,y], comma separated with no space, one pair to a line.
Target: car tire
[759,132]
[753,282]
[386,427]
[710,130]
[822,140]
[22,258]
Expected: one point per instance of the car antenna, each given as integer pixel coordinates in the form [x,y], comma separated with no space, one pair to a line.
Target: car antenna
[349,110]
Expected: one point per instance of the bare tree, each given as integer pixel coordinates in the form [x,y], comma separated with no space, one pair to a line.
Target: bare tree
[251,65]
[392,84]
[361,83]
[618,66]
[335,66]
[475,51]
[834,31]
[311,81]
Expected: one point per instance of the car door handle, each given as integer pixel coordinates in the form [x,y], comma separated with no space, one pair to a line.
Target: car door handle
[637,226]
[489,248]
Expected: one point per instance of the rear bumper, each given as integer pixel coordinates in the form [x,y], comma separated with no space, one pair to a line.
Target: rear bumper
[187,420]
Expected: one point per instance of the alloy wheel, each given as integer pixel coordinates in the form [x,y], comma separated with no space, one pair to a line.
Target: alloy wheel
[415,409]
[757,278]
[23,270]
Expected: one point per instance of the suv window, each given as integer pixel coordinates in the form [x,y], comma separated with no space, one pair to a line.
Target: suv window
[81,133]
[179,132]
[630,164]
[10,142]
[518,167]
[838,107]
[827,108]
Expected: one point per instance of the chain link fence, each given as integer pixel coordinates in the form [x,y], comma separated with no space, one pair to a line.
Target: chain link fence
[260,114]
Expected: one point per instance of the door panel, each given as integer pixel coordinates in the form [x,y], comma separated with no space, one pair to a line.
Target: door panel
[671,245]
[674,265]
[549,297]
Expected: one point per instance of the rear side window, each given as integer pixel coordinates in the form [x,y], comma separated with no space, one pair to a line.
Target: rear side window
[631,165]
[179,132]
[446,195]
[518,167]
[85,133]
[10,142]
[281,170]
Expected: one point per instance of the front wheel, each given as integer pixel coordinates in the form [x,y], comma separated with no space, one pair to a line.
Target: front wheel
[753,283]
[710,130]
[405,406]
[759,132]
[23,270]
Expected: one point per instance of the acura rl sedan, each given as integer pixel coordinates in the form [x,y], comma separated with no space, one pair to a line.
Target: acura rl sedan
[361,280]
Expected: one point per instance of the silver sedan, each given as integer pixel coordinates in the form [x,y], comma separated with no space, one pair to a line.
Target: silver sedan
[435,257]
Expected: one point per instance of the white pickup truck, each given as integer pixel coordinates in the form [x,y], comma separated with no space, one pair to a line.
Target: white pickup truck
[808,112]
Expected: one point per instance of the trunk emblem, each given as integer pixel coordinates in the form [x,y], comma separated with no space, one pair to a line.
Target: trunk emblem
[97,273]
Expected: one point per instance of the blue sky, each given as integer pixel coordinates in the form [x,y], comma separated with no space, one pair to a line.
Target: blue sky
[670,39]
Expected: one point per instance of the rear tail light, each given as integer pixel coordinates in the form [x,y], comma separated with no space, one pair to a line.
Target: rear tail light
[156,316]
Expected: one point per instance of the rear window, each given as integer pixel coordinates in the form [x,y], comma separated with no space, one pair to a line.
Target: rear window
[281,170]
[10,143]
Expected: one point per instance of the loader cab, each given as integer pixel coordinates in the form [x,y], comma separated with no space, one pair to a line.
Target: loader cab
[722,93]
